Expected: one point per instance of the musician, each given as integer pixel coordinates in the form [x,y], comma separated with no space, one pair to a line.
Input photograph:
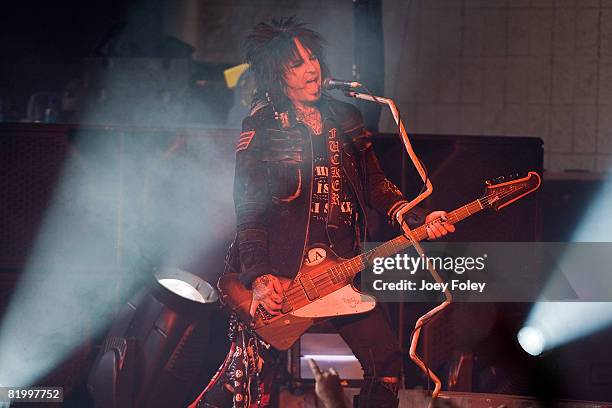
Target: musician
[305,172]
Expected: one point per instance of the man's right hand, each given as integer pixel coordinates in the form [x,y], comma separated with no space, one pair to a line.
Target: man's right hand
[268,292]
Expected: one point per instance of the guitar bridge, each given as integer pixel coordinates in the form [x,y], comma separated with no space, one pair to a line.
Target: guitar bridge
[263,313]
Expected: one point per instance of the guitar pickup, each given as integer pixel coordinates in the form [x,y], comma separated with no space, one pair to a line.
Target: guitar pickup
[309,287]
[286,306]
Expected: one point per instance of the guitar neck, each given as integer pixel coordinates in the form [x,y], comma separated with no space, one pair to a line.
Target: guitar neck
[347,270]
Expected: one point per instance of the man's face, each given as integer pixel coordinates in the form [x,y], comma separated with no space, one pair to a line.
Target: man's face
[303,77]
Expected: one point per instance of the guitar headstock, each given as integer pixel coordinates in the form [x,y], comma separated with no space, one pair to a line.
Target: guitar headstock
[505,190]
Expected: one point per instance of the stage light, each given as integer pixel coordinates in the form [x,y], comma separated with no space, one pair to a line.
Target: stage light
[563,322]
[155,349]
[182,289]
[123,203]
[186,285]
[127,198]
[567,315]
[531,340]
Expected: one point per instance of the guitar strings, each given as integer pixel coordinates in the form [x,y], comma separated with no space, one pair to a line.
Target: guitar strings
[298,294]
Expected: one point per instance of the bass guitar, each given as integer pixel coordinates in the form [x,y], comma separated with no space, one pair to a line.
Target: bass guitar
[323,287]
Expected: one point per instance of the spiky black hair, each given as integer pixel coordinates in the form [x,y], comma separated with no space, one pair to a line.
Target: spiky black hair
[270,48]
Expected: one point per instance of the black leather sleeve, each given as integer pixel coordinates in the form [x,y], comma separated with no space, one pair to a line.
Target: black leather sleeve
[251,201]
[380,193]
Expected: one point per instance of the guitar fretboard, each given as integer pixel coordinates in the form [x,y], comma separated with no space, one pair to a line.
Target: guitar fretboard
[346,271]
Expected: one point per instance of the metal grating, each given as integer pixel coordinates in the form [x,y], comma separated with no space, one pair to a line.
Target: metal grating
[30,164]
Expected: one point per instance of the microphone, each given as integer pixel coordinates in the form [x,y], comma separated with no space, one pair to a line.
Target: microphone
[331,83]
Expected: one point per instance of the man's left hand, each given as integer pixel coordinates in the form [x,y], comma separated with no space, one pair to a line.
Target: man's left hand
[437,226]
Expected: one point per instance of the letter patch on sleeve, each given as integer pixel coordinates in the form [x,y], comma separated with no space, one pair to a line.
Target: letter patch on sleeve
[244,140]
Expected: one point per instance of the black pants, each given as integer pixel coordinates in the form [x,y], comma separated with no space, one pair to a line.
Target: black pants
[373,342]
[375,345]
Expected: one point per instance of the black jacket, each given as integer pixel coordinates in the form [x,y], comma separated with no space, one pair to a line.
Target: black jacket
[272,187]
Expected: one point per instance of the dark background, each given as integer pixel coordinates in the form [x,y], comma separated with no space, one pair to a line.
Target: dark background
[45,45]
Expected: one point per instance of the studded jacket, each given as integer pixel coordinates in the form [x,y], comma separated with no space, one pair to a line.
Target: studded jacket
[272,187]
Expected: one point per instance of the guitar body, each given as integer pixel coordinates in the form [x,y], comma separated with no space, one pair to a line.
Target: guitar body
[311,297]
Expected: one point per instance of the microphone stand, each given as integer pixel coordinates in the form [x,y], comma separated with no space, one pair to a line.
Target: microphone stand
[408,233]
